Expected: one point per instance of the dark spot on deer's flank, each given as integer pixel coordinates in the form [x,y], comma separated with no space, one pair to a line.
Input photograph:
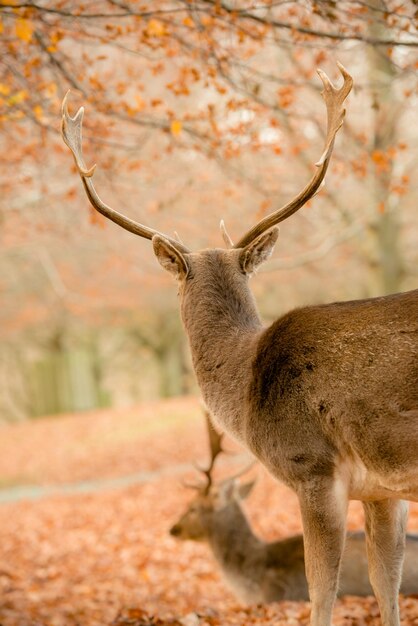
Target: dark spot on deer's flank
[312,464]
[299,458]
[284,354]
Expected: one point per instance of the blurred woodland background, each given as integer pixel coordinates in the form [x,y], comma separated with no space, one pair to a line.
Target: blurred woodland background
[196,110]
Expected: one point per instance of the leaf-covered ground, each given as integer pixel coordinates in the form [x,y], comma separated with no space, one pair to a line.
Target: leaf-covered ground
[106,557]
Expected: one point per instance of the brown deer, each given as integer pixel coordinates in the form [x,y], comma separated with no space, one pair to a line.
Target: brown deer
[261,572]
[326,397]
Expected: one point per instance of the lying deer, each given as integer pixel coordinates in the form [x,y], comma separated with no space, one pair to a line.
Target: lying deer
[326,397]
[261,572]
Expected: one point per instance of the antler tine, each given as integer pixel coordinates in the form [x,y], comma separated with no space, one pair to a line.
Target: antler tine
[225,236]
[72,134]
[240,473]
[177,237]
[215,444]
[334,100]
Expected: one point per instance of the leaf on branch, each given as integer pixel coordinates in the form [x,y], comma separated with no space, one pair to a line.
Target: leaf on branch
[155,28]
[140,103]
[381,160]
[17,97]
[286,96]
[38,112]
[24,29]
[50,89]
[176,127]
[54,39]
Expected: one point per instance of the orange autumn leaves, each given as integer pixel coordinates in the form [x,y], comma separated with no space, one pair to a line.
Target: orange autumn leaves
[24,30]
[106,558]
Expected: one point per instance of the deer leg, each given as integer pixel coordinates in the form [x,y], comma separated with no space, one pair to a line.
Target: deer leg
[324,508]
[385,540]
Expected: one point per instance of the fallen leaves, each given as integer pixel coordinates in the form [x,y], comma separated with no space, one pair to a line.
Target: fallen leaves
[138,617]
[106,557]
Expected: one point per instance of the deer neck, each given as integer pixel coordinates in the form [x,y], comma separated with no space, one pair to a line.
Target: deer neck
[232,540]
[222,324]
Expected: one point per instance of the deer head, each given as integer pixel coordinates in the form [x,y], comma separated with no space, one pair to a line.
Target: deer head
[211,499]
[197,520]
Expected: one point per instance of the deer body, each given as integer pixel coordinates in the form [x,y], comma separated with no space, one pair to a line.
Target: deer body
[348,373]
[326,397]
[262,572]
[276,388]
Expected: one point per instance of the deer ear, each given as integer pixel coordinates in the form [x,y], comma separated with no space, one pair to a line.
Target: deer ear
[258,251]
[169,257]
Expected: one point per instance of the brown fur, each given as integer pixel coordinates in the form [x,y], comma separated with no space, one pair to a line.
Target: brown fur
[259,571]
[326,397]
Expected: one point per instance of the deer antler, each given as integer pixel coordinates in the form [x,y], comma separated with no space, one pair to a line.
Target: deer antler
[334,101]
[227,239]
[72,134]
[215,445]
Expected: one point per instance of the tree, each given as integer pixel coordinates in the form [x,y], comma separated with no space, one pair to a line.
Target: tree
[194,111]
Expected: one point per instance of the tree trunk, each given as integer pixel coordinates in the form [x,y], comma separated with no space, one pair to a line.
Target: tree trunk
[385,252]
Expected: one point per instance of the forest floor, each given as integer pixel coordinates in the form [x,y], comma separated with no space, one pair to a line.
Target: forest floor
[86,503]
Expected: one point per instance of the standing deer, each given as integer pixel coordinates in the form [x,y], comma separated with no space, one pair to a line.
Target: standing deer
[261,572]
[326,397]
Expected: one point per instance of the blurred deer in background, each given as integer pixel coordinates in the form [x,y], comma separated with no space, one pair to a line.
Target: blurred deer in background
[326,397]
[261,572]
